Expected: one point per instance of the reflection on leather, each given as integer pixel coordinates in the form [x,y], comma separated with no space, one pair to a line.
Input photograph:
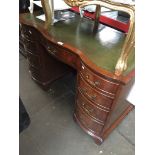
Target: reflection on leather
[103,48]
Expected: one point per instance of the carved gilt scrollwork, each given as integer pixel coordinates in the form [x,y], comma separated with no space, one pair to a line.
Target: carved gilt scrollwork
[74,2]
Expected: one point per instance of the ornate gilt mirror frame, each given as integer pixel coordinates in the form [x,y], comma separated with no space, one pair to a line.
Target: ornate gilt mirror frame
[129,42]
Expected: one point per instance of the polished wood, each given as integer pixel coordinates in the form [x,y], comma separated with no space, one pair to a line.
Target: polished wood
[96,81]
[94,111]
[43,67]
[97,61]
[21,43]
[100,95]
[23,8]
[100,98]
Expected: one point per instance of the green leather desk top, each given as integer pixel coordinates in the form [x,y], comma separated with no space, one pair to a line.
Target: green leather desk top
[103,48]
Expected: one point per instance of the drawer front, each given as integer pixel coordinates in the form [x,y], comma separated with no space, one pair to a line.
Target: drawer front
[29,33]
[51,48]
[34,60]
[67,57]
[92,110]
[63,55]
[35,73]
[93,95]
[87,121]
[30,46]
[98,82]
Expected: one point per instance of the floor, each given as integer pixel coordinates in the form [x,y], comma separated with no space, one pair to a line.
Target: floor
[52,130]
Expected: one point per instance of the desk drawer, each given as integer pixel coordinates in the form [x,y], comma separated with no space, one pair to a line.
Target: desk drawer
[30,45]
[67,57]
[98,82]
[29,33]
[50,48]
[92,110]
[93,95]
[61,54]
[87,121]
[34,60]
[35,73]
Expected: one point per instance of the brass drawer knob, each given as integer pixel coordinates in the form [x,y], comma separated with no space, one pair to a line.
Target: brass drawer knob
[30,32]
[93,97]
[84,90]
[87,76]
[83,67]
[54,51]
[48,48]
[87,109]
[97,83]
[22,35]
[92,110]
[51,50]
[83,104]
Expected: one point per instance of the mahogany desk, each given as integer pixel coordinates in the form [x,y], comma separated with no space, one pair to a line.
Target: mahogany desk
[100,94]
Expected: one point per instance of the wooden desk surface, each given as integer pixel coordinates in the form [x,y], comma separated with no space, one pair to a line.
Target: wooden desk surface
[100,94]
[102,48]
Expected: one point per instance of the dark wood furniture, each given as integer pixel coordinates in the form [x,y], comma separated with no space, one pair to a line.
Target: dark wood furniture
[100,94]
[23,8]
[21,43]
[43,67]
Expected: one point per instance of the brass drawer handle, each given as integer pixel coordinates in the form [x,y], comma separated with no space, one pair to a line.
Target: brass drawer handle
[30,32]
[22,35]
[86,109]
[52,51]
[83,104]
[87,76]
[83,90]
[93,97]
[83,67]
[49,48]
[96,83]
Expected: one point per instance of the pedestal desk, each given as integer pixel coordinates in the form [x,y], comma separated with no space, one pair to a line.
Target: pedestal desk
[100,94]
